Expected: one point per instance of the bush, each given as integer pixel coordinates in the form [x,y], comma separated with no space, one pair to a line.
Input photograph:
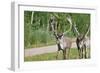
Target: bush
[41,38]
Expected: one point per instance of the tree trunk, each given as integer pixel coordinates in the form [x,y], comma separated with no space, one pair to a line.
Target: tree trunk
[32,17]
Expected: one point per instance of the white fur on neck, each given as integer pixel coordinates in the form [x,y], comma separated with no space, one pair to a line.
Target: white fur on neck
[61,42]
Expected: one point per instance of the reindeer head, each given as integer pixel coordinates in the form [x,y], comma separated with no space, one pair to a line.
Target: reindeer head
[60,35]
[59,38]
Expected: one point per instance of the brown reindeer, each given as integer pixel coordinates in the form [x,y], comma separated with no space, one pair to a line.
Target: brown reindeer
[64,43]
[81,40]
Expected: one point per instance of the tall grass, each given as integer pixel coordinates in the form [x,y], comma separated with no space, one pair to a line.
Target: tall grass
[40,38]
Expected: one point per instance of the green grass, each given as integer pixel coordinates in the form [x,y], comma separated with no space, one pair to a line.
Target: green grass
[52,56]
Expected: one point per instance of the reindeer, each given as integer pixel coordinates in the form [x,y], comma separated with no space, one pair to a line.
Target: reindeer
[63,43]
[81,41]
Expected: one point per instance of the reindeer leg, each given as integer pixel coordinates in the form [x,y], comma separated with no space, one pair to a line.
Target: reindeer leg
[82,52]
[79,49]
[64,54]
[85,51]
[57,54]
[68,53]
[79,52]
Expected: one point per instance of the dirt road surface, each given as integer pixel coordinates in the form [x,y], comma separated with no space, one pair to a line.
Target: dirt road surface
[42,50]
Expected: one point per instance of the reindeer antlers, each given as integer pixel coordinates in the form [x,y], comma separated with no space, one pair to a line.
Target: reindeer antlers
[70,21]
[74,26]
